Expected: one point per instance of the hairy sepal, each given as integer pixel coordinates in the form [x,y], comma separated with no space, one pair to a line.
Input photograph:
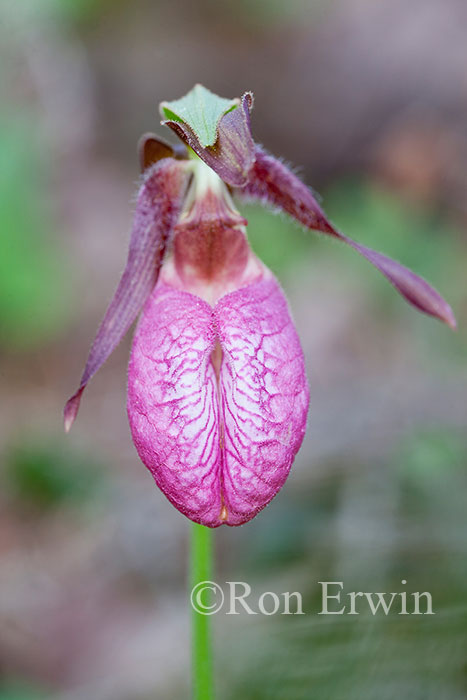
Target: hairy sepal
[233,153]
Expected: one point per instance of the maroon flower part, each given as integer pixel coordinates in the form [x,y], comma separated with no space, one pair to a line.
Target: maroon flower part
[217,392]
[271,182]
[157,210]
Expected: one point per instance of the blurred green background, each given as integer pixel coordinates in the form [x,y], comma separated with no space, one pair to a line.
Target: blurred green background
[369,101]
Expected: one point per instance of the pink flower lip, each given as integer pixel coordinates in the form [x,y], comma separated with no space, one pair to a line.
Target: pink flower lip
[218,398]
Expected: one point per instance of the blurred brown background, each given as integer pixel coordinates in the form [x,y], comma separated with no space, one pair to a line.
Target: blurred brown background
[369,100]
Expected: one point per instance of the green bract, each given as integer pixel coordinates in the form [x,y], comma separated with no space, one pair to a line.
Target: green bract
[201,110]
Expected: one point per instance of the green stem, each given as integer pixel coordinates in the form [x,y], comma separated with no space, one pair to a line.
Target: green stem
[201,570]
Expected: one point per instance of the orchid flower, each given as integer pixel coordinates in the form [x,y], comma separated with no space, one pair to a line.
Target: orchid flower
[217,391]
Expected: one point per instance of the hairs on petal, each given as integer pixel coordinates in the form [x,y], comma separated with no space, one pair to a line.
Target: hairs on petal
[273,183]
[157,209]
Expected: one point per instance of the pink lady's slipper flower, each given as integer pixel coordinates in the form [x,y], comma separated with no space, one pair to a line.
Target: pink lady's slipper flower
[217,392]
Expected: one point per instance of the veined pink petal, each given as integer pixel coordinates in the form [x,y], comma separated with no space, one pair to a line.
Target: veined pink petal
[157,210]
[272,182]
[217,399]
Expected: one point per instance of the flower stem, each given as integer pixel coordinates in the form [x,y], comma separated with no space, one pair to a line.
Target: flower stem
[201,570]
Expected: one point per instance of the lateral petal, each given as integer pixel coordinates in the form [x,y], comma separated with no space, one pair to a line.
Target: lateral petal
[272,182]
[157,210]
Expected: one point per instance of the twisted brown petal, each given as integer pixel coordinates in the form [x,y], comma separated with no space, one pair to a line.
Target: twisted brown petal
[157,210]
[272,182]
